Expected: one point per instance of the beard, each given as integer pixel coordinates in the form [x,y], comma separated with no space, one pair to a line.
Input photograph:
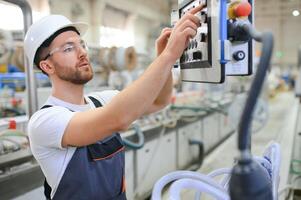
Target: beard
[74,74]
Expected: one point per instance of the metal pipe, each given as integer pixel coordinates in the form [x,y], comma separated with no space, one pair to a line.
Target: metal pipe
[32,100]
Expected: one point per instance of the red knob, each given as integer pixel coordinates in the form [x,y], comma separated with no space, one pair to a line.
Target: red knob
[243,9]
[12,124]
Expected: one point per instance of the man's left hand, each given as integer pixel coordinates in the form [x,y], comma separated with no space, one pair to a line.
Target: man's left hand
[162,40]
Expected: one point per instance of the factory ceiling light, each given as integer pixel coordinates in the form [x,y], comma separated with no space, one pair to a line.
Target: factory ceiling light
[296,13]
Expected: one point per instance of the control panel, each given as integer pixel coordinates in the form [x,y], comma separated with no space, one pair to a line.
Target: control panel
[201,60]
[218,49]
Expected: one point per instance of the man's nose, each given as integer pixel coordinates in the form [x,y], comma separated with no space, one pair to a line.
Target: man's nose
[82,50]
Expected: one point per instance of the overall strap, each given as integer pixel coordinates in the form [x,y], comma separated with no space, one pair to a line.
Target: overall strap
[47,188]
[95,101]
[46,106]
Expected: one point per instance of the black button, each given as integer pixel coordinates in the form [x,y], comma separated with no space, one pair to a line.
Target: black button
[187,57]
[206,19]
[197,55]
[203,37]
[239,55]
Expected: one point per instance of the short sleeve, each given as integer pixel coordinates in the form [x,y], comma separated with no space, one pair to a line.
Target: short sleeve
[47,126]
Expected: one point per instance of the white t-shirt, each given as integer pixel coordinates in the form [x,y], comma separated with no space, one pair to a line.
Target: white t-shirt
[46,128]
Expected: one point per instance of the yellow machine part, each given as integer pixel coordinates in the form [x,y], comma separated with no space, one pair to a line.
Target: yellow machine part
[3,68]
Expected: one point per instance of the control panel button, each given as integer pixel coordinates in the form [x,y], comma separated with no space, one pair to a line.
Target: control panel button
[239,55]
[206,19]
[239,9]
[203,37]
[244,9]
[197,55]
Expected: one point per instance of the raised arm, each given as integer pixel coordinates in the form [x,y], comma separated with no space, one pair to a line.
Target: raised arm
[90,126]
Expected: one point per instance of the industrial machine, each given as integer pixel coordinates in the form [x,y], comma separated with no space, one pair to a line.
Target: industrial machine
[218,49]
[224,40]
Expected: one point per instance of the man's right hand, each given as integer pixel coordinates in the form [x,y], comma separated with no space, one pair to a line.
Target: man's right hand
[184,29]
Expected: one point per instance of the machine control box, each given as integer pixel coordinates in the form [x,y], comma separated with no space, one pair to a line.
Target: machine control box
[214,53]
[201,60]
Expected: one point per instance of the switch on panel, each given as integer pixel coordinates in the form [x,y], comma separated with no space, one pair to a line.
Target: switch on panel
[203,37]
[239,55]
[197,55]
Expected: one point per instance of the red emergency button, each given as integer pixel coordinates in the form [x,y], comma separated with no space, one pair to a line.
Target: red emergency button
[239,9]
[243,9]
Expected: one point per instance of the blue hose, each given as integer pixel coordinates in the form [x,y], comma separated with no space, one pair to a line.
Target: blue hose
[140,142]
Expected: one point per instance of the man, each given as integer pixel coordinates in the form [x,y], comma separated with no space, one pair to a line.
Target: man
[79,148]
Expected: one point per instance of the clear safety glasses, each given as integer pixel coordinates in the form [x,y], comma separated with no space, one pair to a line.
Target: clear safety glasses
[68,48]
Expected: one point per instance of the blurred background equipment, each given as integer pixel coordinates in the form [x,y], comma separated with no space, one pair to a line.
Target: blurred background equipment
[6,47]
[122,58]
[121,61]
[17,58]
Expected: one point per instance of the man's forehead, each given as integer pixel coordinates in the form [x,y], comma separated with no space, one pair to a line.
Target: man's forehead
[68,36]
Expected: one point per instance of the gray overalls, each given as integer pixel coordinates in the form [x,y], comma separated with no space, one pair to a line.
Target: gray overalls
[94,172]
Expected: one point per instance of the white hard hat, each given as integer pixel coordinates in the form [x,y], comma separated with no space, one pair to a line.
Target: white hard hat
[43,29]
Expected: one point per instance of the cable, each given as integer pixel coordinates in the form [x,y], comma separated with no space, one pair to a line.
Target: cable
[187,183]
[267,48]
[163,181]
[215,173]
[13,133]
[9,132]
[206,183]
[17,145]
[219,172]
[140,142]
[171,124]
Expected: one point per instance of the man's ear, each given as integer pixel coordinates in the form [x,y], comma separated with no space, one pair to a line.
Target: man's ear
[46,67]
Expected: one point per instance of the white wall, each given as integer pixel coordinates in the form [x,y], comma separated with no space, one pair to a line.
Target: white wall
[276,16]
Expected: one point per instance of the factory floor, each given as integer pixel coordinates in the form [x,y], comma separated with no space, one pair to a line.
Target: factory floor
[283,109]
[280,128]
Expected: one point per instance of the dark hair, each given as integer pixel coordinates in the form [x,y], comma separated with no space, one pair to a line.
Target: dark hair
[39,54]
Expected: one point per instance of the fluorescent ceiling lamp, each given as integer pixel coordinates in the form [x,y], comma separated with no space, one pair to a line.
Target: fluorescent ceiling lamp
[296,13]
